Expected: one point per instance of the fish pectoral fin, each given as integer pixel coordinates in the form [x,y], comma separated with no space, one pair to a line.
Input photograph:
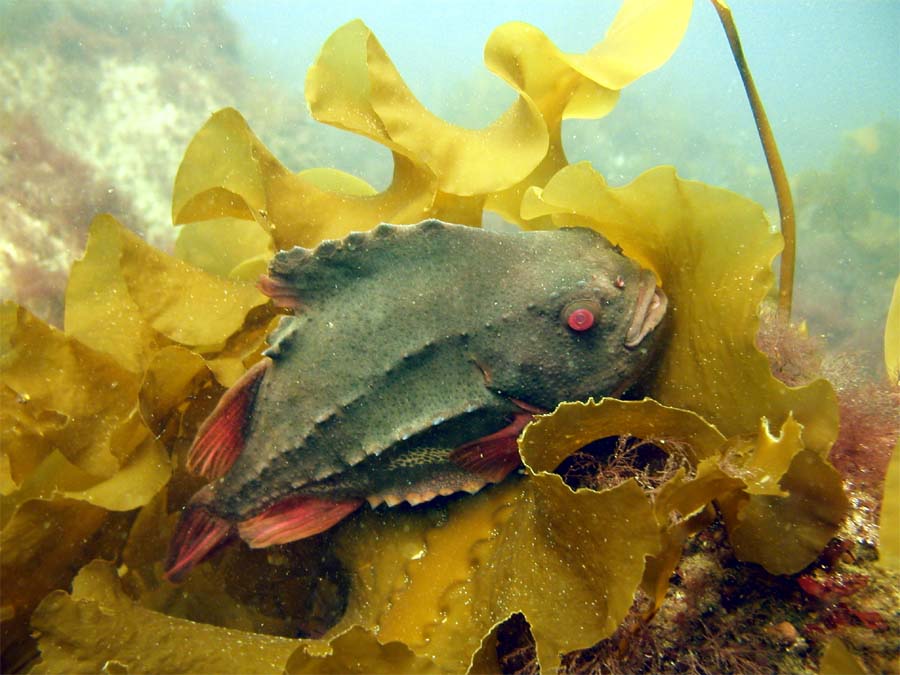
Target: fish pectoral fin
[221,437]
[294,518]
[494,456]
[198,535]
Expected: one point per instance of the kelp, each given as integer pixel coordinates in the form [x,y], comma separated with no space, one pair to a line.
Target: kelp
[89,414]
[440,170]
[665,223]
[79,629]
[839,660]
[892,337]
[127,299]
[99,614]
[773,158]
[712,251]
[96,417]
[358,651]
[81,395]
[889,520]
[439,580]
[227,247]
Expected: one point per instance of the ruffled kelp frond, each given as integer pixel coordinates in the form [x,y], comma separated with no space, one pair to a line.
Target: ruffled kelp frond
[440,170]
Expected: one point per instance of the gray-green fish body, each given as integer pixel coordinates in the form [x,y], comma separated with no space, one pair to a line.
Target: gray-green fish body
[414,357]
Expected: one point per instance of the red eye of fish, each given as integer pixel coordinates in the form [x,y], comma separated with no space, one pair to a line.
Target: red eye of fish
[580,319]
[580,316]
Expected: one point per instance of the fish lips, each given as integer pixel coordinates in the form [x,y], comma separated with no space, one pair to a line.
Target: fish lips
[649,310]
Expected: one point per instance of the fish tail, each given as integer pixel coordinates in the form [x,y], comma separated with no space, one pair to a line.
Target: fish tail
[198,535]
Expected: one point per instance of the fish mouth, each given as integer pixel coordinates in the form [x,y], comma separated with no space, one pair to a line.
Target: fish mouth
[649,310]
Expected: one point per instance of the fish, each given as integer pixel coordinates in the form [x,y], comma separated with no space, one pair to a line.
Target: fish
[412,358]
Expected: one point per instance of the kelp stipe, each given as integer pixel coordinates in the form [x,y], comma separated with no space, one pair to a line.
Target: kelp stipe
[773,160]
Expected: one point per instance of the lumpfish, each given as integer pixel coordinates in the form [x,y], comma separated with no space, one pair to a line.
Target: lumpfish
[414,357]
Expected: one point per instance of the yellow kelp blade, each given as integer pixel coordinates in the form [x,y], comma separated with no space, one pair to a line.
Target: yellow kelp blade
[679,503]
[357,651]
[75,448]
[892,337]
[183,303]
[355,86]
[99,625]
[143,469]
[440,579]
[41,546]
[303,213]
[771,457]
[294,209]
[66,393]
[642,37]
[889,520]
[100,311]
[173,374]
[712,251]
[125,297]
[485,660]
[222,245]
[79,416]
[551,438]
[837,659]
[140,477]
[440,169]
[784,534]
[25,440]
[244,348]
[143,473]
[219,179]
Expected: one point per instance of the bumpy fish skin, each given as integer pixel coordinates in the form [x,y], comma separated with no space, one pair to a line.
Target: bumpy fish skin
[409,342]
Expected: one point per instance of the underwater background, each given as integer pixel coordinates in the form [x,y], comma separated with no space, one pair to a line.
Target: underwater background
[100,100]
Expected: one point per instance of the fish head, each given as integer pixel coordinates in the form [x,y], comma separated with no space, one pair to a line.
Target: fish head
[583,321]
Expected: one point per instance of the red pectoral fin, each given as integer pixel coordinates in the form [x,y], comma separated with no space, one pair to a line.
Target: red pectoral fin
[198,535]
[220,438]
[493,457]
[295,518]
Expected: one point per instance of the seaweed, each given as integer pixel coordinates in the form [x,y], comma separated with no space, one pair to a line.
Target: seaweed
[97,418]
[773,159]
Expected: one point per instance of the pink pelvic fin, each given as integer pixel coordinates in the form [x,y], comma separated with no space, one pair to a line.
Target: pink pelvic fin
[198,535]
[493,457]
[295,518]
[282,293]
[221,437]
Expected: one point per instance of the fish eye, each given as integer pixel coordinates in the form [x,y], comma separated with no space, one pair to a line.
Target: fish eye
[580,315]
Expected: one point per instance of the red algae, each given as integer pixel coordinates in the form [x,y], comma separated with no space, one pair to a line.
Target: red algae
[870,425]
[869,405]
[795,357]
[47,204]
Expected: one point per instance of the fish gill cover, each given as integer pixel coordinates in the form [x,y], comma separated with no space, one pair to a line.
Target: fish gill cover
[98,417]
